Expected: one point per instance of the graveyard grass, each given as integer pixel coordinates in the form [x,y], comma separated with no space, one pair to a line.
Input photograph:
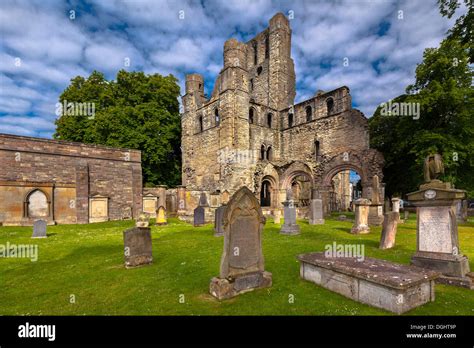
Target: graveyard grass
[86,261]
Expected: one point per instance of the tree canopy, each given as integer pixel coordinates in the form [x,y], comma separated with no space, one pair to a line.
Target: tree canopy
[136,111]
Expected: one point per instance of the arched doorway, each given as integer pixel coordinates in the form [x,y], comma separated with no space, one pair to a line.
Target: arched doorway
[265,193]
[346,187]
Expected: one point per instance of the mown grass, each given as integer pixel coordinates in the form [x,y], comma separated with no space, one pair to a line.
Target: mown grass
[86,261]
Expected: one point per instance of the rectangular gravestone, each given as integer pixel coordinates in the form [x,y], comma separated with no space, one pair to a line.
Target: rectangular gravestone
[137,247]
[316,212]
[199,216]
[242,264]
[39,229]
[379,283]
[218,223]
[289,227]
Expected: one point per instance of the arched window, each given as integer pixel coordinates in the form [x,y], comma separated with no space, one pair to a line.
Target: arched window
[251,85]
[290,120]
[269,120]
[309,113]
[216,114]
[317,150]
[251,115]
[262,152]
[269,153]
[265,194]
[330,105]
[200,124]
[267,48]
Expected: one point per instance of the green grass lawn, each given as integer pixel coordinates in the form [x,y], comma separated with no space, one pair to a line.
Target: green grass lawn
[87,261]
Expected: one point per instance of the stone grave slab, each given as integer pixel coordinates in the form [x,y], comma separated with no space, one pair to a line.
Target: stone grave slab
[379,283]
[39,229]
[137,247]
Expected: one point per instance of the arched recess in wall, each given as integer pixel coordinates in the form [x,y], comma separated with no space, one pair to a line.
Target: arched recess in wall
[269,120]
[290,120]
[330,105]
[200,124]
[269,153]
[216,116]
[36,204]
[309,113]
[252,115]
[262,152]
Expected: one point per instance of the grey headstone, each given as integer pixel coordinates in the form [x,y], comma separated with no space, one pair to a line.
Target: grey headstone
[199,216]
[203,200]
[218,223]
[289,226]
[316,212]
[137,246]
[39,229]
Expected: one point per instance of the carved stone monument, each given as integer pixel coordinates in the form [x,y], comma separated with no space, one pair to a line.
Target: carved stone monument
[242,263]
[361,224]
[161,216]
[437,232]
[290,227]
[137,247]
[39,229]
[389,230]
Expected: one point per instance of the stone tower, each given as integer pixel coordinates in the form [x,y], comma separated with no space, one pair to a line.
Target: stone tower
[250,133]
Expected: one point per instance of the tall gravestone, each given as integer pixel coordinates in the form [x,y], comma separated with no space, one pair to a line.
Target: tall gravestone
[218,221]
[289,227]
[242,264]
[199,216]
[361,224]
[437,232]
[316,210]
[137,247]
[396,207]
[39,229]
[376,208]
[389,230]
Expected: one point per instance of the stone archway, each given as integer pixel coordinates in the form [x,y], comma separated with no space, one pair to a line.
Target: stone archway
[366,163]
[298,178]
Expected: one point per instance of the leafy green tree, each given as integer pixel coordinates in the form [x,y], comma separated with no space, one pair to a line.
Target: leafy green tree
[135,111]
[443,89]
[463,29]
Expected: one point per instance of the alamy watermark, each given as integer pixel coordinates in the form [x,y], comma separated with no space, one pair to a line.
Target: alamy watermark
[335,250]
[227,156]
[400,109]
[75,109]
[28,251]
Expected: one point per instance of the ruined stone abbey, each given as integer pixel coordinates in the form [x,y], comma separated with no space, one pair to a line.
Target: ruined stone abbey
[249,131]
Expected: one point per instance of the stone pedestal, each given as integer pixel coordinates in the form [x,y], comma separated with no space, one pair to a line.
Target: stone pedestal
[316,212]
[361,225]
[137,247]
[437,234]
[375,215]
[290,227]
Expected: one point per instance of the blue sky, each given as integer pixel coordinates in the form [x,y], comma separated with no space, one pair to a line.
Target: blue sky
[42,48]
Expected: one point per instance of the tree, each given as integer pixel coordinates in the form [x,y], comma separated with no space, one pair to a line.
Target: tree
[443,90]
[463,28]
[135,111]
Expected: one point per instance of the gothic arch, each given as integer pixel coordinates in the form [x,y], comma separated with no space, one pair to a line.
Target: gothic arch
[294,170]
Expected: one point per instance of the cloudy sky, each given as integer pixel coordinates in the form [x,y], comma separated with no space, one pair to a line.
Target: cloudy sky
[44,45]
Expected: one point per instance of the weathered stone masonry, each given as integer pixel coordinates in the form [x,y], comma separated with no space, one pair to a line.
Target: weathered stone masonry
[65,182]
[250,132]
